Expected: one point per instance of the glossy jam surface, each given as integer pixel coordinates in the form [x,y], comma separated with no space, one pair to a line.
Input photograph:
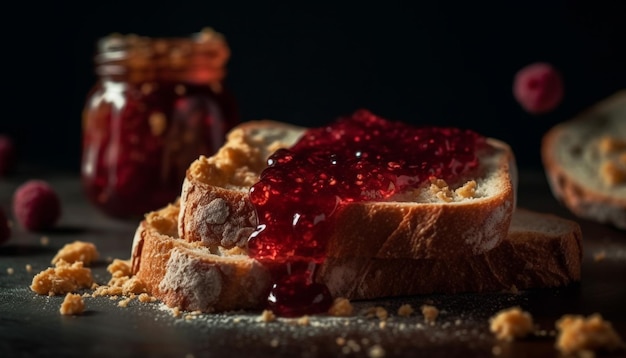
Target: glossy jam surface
[358,158]
[138,140]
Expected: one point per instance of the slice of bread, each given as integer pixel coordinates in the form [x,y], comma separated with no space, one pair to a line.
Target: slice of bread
[467,216]
[585,162]
[191,276]
[541,250]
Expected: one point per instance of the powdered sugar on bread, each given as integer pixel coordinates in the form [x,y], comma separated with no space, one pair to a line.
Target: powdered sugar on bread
[192,276]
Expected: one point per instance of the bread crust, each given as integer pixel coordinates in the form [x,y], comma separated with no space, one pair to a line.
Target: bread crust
[573,172]
[541,250]
[223,216]
[528,258]
[192,277]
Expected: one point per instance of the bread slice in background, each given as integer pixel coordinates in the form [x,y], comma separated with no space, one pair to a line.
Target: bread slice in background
[541,250]
[585,162]
[428,222]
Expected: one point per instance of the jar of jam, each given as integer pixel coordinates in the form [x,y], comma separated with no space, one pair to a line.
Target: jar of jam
[157,105]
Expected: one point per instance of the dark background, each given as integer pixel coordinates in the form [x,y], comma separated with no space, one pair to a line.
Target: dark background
[442,63]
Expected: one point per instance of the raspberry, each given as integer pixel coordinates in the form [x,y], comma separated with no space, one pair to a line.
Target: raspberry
[538,88]
[7,155]
[5,230]
[36,205]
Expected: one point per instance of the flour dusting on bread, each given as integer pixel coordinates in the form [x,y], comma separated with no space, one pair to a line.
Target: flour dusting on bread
[198,282]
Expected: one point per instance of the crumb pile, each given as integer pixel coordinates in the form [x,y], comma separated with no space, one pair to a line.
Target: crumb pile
[71,274]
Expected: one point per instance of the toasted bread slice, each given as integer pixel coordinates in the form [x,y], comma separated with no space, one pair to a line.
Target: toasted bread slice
[433,221]
[585,162]
[540,251]
[191,276]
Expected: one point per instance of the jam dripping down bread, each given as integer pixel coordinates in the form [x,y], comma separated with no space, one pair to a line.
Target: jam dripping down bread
[585,162]
[194,254]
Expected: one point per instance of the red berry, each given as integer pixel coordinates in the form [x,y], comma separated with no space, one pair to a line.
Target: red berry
[538,88]
[5,230]
[36,205]
[7,155]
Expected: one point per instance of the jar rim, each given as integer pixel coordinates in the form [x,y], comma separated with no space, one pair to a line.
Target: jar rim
[206,44]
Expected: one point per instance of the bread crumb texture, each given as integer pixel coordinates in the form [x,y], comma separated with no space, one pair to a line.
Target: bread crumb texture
[612,160]
[341,307]
[405,310]
[69,277]
[243,156]
[77,251]
[62,278]
[441,190]
[511,323]
[430,313]
[73,304]
[579,334]
[164,220]
[122,282]
[267,316]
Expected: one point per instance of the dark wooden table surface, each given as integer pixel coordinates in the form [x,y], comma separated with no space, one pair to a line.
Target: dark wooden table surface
[31,325]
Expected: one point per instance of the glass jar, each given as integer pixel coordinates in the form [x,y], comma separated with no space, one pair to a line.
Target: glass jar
[158,104]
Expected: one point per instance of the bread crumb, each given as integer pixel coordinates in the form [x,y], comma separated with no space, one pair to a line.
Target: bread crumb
[468,190]
[119,268]
[612,174]
[176,311]
[10,271]
[341,307]
[146,298]
[511,323]
[124,303]
[430,313]
[304,321]
[274,342]
[405,310]
[162,220]
[378,312]
[63,278]
[44,241]
[376,351]
[608,145]
[29,268]
[267,316]
[440,189]
[122,282]
[85,252]
[340,341]
[73,304]
[577,334]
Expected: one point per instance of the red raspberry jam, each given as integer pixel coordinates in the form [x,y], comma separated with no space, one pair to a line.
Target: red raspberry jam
[158,105]
[359,158]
